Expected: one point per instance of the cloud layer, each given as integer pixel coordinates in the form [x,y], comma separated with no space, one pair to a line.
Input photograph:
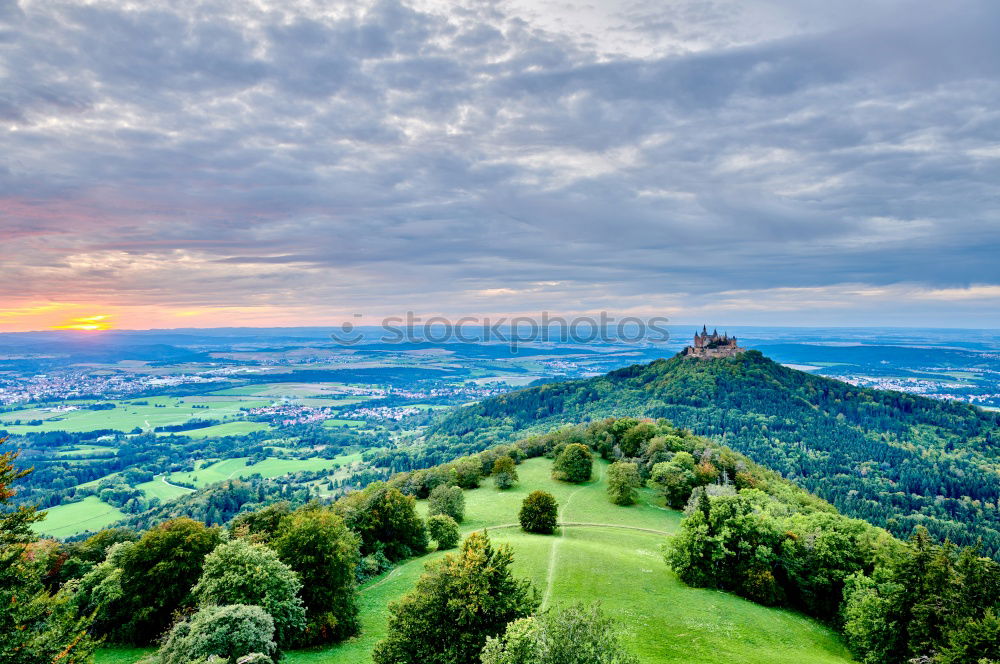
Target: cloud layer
[288,162]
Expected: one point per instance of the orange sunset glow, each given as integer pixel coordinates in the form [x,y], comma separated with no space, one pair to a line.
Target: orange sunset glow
[88,323]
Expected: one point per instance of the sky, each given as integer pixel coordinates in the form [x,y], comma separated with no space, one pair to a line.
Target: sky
[231,163]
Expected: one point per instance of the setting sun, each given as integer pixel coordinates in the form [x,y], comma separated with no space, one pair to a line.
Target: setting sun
[88,323]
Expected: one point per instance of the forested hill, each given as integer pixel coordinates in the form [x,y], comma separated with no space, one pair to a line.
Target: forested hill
[895,459]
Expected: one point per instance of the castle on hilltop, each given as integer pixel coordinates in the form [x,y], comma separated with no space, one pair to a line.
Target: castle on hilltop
[712,345]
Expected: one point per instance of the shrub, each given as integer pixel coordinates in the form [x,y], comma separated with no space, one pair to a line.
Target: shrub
[539,512]
[254,658]
[574,464]
[443,530]
[371,566]
[448,500]
[230,632]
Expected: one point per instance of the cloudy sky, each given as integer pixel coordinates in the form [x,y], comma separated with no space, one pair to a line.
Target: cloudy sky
[181,164]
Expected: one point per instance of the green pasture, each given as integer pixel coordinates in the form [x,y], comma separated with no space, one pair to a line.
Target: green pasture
[613,556]
[160,488]
[210,472]
[73,518]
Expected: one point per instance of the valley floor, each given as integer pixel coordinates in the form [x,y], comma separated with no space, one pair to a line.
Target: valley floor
[609,554]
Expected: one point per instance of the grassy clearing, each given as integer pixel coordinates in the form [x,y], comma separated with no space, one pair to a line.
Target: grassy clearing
[665,621]
[160,488]
[86,451]
[210,472]
[73,518]
[241,391]
[224,429]
[120,655]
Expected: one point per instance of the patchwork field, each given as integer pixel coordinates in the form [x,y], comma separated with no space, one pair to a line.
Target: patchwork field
[127,415]
[612,555]
[150,412]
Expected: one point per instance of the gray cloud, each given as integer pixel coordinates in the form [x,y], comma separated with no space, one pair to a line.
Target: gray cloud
[223,153]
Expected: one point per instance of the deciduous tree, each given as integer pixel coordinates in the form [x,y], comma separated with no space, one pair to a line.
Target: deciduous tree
[447,499]
[539,512]
[386,521]
[623,480]
[443,530]
[155,576]
[504,473]
[458,603]
[229,632]
[316,544]
[675,479]
[574,464]
[241,572]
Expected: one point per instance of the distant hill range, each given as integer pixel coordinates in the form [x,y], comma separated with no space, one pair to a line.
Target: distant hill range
[894,459]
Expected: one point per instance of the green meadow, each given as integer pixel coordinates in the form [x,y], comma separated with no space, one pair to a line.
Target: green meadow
[162,489]
[612,555]
[210,472]
[87,514]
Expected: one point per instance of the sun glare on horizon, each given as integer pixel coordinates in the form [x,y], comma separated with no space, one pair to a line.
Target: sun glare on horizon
[86,323]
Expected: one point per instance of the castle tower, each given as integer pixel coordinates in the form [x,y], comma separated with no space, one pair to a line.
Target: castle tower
[712,346]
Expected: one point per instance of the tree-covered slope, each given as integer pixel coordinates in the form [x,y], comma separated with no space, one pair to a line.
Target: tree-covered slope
[895,459]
